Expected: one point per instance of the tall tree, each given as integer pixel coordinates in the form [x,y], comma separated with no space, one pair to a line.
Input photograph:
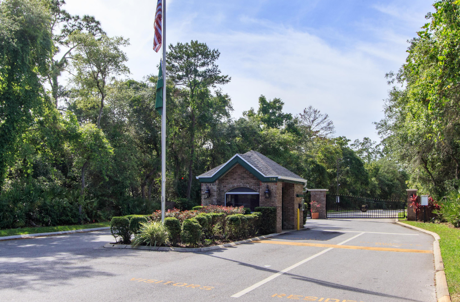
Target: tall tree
[96,63]
[25,51]
[193,67]
[63,27]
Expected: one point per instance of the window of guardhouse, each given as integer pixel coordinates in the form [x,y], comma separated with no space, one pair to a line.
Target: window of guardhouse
[242,197]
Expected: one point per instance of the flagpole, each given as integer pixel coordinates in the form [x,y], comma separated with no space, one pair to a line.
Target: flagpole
[163,120]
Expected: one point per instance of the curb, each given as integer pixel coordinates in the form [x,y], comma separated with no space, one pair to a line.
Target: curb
[442,291]
[194,250]
[30,236]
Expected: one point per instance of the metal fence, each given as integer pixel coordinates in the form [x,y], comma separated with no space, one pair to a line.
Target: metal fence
[340,206]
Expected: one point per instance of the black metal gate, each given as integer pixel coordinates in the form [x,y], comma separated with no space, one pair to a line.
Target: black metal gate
[339,206]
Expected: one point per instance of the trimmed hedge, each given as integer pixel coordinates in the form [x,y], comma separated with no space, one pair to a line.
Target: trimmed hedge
[172,224]
[267,220]
[135,222]
[191,232]
[247,211]
[119,227]
[197,208]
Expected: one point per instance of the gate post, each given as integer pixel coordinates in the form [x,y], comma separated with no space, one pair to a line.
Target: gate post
[411,215]
[319,195]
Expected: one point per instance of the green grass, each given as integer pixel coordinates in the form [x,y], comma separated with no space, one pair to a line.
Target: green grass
[23,231]
[450,251]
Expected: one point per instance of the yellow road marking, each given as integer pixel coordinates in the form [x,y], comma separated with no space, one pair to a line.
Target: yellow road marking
[347,247]
[178,284]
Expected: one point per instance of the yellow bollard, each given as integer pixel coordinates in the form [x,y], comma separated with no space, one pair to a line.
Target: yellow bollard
[298,219]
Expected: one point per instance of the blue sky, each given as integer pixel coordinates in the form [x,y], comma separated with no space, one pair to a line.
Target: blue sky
[330,54]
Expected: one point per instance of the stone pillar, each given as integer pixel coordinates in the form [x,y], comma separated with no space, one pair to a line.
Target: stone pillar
[411,215]
[319,195]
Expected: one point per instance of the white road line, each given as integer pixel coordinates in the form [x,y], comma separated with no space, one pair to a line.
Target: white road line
[260,283]
[337,231]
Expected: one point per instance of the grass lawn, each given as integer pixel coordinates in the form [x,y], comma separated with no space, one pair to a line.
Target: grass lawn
[23,231]
[450,251]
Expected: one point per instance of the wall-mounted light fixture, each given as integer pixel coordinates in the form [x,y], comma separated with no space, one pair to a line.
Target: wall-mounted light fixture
[207,193]
[267,193]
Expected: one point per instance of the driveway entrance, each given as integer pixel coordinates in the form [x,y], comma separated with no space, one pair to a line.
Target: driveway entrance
[330,261]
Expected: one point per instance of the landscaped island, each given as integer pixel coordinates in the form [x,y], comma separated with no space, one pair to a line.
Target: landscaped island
[202,226]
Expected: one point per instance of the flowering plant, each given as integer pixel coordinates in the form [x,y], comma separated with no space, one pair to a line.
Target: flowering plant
[416,206]
[314,206]
[156,216]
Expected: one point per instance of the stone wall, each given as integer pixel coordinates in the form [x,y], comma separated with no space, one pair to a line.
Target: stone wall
[319,195]
[289,207]
[410,211]
[275,200]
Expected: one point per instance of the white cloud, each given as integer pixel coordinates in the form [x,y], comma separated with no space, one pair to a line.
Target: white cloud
[297,66]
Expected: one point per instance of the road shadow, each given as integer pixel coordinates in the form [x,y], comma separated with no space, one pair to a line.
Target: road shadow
[316,281]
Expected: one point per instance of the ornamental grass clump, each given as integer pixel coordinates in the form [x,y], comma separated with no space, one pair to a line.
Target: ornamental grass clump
[151,234]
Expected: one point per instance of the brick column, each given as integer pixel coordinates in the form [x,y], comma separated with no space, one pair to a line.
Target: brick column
[319,195]
[411,215]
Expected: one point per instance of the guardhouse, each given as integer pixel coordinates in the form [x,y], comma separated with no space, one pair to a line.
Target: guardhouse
[252,180]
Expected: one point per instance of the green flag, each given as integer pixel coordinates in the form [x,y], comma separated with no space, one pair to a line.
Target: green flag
[159,97]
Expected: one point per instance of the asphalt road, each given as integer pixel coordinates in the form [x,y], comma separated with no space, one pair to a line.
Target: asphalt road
[331,261]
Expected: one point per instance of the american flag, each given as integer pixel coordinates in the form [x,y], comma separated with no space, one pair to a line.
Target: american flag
[157,25]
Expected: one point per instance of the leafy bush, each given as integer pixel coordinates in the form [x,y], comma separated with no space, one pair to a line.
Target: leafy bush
[197,208]
[184,204]
[233,223]
[151,234]
[450,208]
[217,223]
[222,209]
[252,228]
[247,211]
[135,222]
[119,227]
[172,224]
[191,232]
[268,220]
[203,221]
[305,212]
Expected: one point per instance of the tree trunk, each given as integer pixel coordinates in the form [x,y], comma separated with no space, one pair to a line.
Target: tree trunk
[100,112]
[82,191]
[192,154]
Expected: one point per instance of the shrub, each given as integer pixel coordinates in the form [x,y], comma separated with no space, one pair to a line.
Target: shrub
[217,223]
[251,222]
[243,231]
[268,220]
[450,208]
[172,225]
[135,222]
[203,221]
[305,212]
[197,208]
[233,223]
[191,232]
[247,211]
[184,204]
[119,227]
[152,234]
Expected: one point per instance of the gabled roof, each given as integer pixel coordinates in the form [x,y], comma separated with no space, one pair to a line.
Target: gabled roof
[259,165]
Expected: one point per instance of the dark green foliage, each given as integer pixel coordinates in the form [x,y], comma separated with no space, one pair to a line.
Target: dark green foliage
[203,221]
[119,227]
[172,224]
[185,204]
[247,211]
[305,212]
[197,208]
[233,226]
[253,223]
[135,222]
[268,220]
[191,232]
